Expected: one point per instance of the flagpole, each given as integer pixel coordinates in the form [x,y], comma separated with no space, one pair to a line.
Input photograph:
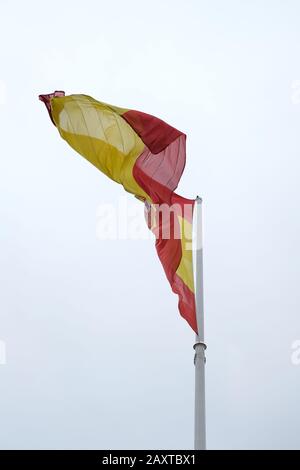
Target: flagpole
[200,346]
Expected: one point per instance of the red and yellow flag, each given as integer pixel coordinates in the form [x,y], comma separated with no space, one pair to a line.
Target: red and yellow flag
[146,156]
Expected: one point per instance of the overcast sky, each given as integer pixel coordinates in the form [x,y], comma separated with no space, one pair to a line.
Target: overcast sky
[97,355]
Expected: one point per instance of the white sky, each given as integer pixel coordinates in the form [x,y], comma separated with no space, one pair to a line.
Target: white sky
[97,355]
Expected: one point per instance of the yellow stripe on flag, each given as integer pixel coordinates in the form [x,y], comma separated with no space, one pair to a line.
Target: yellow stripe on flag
[100,135]
[185,268]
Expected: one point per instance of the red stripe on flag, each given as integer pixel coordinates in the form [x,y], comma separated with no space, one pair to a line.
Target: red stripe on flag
[186,303]
[154,132]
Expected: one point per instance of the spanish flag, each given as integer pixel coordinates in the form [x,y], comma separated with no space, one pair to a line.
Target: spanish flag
[147,156]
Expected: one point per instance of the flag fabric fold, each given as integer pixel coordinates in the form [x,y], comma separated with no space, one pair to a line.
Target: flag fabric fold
[147,156]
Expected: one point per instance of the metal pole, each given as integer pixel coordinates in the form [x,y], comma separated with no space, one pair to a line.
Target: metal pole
[200,347]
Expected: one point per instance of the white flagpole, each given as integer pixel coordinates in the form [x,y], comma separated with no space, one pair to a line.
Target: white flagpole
[200,347]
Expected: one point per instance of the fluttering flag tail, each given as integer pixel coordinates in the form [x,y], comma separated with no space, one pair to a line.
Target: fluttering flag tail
[147,156]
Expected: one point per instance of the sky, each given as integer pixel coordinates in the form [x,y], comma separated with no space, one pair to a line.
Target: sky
[93,352]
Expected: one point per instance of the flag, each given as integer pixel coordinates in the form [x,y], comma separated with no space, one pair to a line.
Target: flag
[147,156]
